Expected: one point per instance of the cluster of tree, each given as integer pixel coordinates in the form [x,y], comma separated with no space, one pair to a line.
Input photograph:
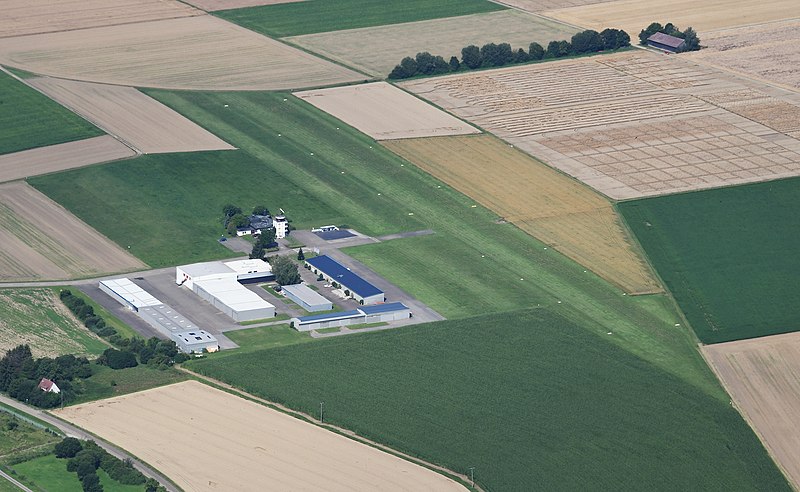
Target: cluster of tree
[689,36]
[265,242]
[498,55]
[20,374]
[233,217]
[86,314]
[285,270]
[86,458]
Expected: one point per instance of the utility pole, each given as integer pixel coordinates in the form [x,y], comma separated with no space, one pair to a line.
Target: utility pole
[321,404]
[472,475]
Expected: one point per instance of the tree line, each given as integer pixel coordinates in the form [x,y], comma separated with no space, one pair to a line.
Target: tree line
[689,36]
[20,374]
[498,55]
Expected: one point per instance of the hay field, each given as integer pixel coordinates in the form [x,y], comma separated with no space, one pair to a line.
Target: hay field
[202,53]
[213,5]
[767,51]
[37,317]
[61,157]
[24,17]
[137,119]
[542,5]
[377,50]
[40,240]
[763,377]
[635,15]
[385,112]
[205,439]
[628,124]
[542,202]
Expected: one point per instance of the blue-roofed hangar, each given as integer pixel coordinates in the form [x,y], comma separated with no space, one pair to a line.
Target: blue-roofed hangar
[378,313]
[336,273]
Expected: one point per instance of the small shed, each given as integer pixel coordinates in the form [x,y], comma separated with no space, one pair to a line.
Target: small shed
[666,42]
[306,298]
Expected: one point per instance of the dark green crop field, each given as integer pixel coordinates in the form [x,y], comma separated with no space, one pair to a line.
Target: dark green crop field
[28,119]
[728,255]
[312,16]
[529,399]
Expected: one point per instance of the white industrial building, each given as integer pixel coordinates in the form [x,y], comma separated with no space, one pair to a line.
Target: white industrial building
[220,283]
[392,311]
[307,298]
[163,318]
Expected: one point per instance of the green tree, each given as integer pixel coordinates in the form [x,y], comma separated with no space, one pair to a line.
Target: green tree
[471,56]
[587,41]
[649,31]
[117,359]
[238,220]
[520,56]
[691,39]
[68,448]
[425,63]
[552,50]
[260,210]
[300,255]
[285,270]
[535,51]
[229,211]
[455,65]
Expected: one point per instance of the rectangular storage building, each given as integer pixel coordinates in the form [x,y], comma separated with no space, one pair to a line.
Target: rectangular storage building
[359,289]
[391,311]
[367,314]
[233,299]
[307,299]
[130,295]
[195,341]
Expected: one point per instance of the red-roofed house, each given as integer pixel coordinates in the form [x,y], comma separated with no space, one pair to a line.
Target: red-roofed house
[48,386]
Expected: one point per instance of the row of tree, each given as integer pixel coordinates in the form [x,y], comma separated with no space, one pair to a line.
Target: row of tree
[20,374]
[498,55]
[689,36]
[85,458]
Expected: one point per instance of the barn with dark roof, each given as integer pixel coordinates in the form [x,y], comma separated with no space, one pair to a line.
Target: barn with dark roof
[666,42]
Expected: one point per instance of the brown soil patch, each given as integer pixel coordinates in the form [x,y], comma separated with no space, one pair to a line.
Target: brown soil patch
[377,50]
[23,17]
[635,15]
[544,203]
[38,234]
[763,377]
[61,157]
[212,5]
[767,51]
[385,112]
[204,439]
[137,119]
[202,53]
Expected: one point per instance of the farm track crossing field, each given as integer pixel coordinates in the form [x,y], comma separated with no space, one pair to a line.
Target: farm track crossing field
[38,318]
[24,17]
[322,171]
[187,53]
[521,383]
[742,50]
[245,445]
[377,50]
[635,15]
[29,119]
[629,124]
[365,107]
[61,157]
[761,376]
[542,202]
[41,240]
[728,255]
[132,116]
[312,16]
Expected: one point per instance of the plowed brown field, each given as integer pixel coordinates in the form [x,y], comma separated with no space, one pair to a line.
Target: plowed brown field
[544,203]
[206,439]
[763,377]
[40,240]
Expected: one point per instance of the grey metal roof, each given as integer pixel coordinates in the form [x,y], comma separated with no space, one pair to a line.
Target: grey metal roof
[305,294]
[383,308]
[666,40]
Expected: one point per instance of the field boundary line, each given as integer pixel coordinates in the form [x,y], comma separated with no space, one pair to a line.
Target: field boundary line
[117,24]
[461,478]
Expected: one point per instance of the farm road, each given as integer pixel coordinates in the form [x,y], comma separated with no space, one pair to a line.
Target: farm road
[73,431]
[14,482]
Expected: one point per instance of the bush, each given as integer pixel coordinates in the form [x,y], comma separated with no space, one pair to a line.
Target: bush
[68,448]
[91,483]
[118,359]
[121,471]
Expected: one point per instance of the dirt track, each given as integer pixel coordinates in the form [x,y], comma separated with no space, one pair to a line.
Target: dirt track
[229,443]
[41,240]
[202,53]
[385,112]
[137,119]
[61,157]
[212,5]
[547,205]
[763,377]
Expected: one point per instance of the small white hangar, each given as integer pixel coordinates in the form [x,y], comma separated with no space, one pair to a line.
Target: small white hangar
[220,283]
[377,313]
[306,298]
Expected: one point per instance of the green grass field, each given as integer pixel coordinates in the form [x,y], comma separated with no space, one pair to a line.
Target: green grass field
[312,16]
[106,382]
[528,398]
[29,119]
[471,265]
[50,473]
[23,438]
[728,255]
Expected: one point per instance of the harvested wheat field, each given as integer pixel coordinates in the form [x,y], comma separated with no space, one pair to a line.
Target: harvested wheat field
[635,15]
[767,51]
[139,120]
[205,439]
[377,50]
[629,124]
[542,202]
[542,5]
[763,377]
[212,5]
[40,240]
[385,112]
[61,157]
[202,53]
[24,17]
